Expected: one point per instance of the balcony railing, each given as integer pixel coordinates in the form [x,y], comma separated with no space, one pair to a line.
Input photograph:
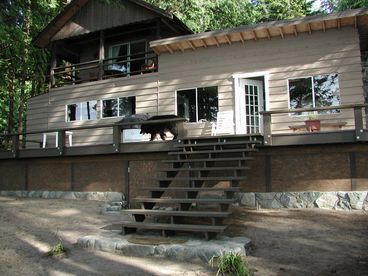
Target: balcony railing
[355,133]
[120,66]
[25,145]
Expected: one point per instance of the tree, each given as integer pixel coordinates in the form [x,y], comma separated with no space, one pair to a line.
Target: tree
[23,66]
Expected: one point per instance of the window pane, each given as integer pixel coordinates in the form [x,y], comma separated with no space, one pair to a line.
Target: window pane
[89,110]
[186,104]
[126,106]
[300,91]
[110,108]
[119,52]
[73,112]
[327,92]
[207,103]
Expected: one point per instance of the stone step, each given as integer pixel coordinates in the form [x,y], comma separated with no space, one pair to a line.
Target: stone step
[206,214]
[208,230]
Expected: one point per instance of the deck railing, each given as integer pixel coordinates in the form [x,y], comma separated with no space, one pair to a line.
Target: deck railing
[358,133]
[121,66]
[15,145]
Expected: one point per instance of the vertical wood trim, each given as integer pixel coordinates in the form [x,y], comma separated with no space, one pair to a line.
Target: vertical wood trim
[358,119]
[353,170]
[101,55]
[158,28]
[268,173]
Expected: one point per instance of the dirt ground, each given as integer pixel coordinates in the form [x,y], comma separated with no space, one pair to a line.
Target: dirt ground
[285,242]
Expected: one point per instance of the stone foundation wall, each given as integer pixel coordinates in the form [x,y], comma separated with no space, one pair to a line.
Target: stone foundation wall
[100,196]
[325,200]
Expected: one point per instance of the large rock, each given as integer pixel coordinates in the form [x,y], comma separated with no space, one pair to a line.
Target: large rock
[248,200]
[327,200]
[356,199]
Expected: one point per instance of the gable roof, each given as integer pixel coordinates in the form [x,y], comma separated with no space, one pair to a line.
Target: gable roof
[265,30]
[70,10]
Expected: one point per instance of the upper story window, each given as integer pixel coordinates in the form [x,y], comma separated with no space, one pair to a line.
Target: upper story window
[314,91]
[118,107]
[81,111]
[198,103]
[128,57]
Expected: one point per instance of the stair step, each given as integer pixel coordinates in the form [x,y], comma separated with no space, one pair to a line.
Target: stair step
[177,227]
[212,159]
[207,169]
[185,200]
[183,145]
[211,151]
[205,214]
[228,137]
[202,178]
[191,189]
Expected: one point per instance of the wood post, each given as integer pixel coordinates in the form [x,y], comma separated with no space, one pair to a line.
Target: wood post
[101,56]
[61,141]
[15,145]
[358,119]
[116,138]
[267,132]
[52,69]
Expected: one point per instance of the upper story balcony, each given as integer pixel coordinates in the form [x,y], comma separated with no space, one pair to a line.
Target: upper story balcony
[104,40]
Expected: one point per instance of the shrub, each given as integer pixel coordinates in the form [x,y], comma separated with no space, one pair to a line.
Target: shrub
[230,263]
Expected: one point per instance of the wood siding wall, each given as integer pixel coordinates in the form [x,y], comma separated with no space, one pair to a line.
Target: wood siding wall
[335,51]
[97,16]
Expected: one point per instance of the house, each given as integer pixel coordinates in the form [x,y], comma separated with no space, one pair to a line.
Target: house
[262,81]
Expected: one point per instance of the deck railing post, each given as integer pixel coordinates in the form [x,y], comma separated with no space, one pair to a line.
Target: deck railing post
[15,145]
[358,119]
[116,138]
[61,141]
[267,132]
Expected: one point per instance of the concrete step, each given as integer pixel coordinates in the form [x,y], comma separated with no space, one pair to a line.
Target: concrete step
[211,159]
[216,143]
[203,178]
[208,169]
[212,151]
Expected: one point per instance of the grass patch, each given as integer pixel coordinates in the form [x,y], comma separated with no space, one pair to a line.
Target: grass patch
[230,263]
[57,250]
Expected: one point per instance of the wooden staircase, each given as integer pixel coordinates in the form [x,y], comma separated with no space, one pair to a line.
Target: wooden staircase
[196,191]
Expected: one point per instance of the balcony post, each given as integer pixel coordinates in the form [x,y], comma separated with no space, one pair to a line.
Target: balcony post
[101,56]
[52,67]
[15,145]
[116,138]
[267,132]
[60,142]
[358,119]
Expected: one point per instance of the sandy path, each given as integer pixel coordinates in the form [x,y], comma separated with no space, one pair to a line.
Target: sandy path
[286,242]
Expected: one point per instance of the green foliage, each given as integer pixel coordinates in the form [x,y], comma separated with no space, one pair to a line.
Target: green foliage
[230,264]
[57,249]
[341,5]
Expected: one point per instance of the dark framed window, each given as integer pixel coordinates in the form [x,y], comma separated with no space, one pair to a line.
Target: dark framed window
[314,91]
[118,107]
[198,103]
[81,111]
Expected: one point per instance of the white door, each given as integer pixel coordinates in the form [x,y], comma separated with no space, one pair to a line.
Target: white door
[250,104]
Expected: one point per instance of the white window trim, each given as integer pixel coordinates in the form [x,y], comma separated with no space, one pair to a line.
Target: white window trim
[118,99]
[313,94]
[196,95]
[81,113]
[236,89]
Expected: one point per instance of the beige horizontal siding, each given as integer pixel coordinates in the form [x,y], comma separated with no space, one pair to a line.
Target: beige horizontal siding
[335,51]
